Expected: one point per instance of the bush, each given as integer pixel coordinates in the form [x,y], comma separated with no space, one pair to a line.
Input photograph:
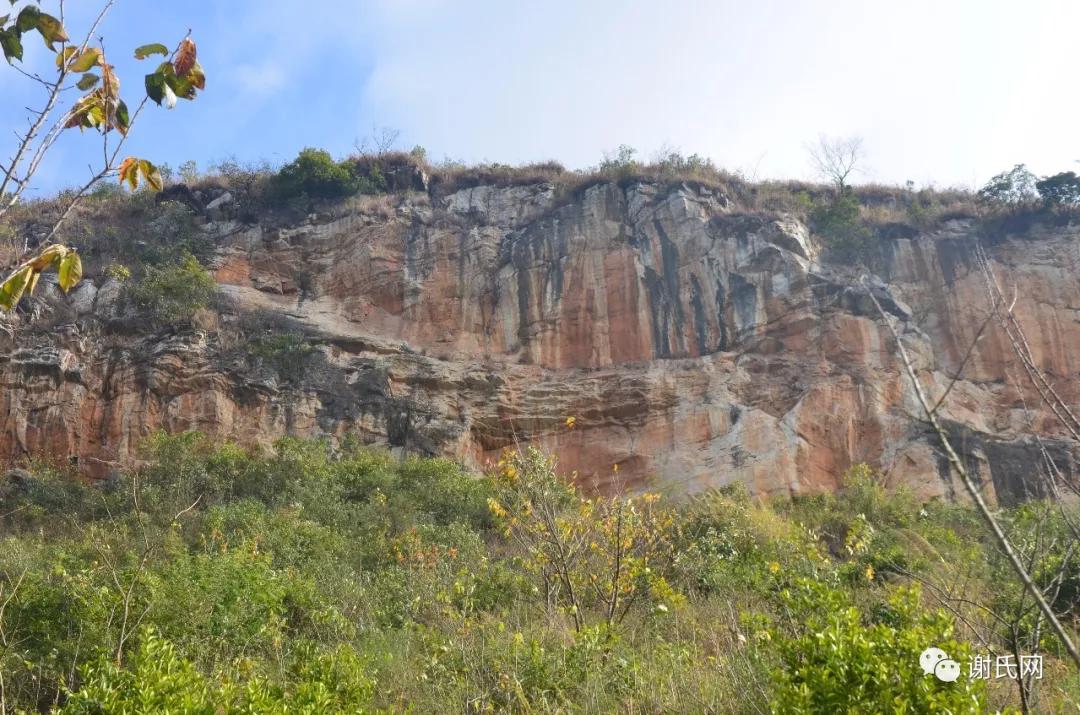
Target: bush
[159,680]
[173,292]
[1060,189]
[846,662]
[287,353]
[621,163]
[839,222]
[316,175]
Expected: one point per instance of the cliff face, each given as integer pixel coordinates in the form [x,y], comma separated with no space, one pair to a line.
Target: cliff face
[694,346]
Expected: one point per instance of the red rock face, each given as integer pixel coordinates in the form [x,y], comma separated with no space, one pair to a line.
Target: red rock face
[695,347]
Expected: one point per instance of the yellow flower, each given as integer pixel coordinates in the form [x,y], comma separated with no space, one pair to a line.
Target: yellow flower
[869,572]
[774,567]
[570,422]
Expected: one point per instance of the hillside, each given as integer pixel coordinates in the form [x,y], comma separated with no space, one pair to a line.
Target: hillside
[700,330]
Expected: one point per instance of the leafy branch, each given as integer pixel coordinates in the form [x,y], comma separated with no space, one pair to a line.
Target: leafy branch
[101,108]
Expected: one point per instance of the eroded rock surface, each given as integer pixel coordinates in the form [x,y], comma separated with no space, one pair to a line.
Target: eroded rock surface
[694,345]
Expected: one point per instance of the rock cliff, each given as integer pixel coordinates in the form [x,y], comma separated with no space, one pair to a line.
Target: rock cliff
[695,345]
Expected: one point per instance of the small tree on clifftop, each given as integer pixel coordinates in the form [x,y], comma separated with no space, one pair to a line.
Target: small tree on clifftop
[835,160]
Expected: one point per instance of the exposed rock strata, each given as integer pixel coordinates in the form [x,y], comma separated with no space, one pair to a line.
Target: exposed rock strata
[695,346]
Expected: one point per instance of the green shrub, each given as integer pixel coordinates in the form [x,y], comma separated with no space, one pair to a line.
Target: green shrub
[287,353]
[847,662]
[1060,189]
[838,222]
[160,680]
[173,292]
[316,175]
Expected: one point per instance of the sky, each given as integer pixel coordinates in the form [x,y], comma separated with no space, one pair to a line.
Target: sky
[943,92]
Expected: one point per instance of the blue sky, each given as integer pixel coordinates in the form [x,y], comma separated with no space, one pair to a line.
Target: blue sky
[947,93]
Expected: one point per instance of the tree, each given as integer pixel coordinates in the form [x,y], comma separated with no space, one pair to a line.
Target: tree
[1060,189]
[80,67]
[1015,187]
[835,160]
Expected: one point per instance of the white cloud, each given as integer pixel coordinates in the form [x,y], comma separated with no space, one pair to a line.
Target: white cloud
[940,91]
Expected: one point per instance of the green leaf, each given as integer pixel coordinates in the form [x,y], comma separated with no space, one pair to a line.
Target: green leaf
[87,81]
[11,44]
[86,60]
[123,119]
[70,271]
[181,87]
[28,19]
[155,48]
[11,290]
[155,87]
[51,30]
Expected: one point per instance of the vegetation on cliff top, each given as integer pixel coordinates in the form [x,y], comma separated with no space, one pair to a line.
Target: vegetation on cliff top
[305,579]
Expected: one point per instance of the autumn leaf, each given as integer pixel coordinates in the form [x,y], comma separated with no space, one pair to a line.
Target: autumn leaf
[129,172]
[86,60]
[185,57]
[197,77]
[132,169]
[152,175]
[64,56]
[69,273]
[50,29]
[110,83]
[50,256]
[155,48]
[11,290]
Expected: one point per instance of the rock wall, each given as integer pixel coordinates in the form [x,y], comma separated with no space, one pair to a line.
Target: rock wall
[695,346]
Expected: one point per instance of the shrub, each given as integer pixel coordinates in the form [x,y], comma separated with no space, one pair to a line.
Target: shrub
[287,353]
[315,174]
[839,222]
[846,662]
[160,680]
[1060,189]
[621,163]
[173,292]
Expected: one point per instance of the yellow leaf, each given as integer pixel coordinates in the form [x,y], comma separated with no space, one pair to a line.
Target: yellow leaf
[70,271]
[88,59]
[151,174]
[12,288]
[50,256]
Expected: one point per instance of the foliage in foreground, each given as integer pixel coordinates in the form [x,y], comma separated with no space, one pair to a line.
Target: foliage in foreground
[311,579]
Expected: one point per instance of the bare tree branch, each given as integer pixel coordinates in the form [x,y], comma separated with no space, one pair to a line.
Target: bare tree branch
[835,160]
[976,496]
